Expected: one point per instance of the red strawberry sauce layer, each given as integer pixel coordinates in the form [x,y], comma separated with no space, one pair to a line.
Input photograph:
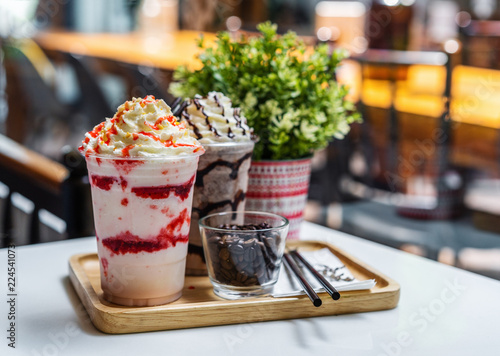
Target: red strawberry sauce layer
[158,192]
[162,192]
[127,165]
[105,182]
[126,242]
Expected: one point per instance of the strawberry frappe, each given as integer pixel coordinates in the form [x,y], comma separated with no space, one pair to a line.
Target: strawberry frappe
[142,167]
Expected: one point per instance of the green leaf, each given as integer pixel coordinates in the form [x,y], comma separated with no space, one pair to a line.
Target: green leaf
[287,93]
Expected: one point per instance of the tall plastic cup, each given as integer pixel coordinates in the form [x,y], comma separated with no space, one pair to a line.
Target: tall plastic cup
[142,211]
[221,185]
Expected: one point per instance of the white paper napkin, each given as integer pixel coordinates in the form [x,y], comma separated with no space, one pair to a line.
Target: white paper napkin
[342,279]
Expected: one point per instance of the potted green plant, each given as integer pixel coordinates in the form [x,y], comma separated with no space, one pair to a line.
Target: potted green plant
[288,94]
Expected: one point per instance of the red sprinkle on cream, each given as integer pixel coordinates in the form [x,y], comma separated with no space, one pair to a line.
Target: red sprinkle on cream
[150,99]
[159,121]
[126,150]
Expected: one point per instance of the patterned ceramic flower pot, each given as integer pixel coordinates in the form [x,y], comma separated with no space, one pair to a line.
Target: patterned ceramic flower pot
[280,187]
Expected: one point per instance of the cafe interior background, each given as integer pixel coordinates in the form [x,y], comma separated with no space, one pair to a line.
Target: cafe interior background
[420,173]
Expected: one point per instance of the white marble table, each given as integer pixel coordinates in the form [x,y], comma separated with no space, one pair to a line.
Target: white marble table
[442,311]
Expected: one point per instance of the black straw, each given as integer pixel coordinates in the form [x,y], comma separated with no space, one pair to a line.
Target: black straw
[305,285]
[177,106]
[327,285]
[176,102]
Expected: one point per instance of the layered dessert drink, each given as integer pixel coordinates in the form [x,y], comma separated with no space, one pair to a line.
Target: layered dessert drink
[222,178]
[142,167]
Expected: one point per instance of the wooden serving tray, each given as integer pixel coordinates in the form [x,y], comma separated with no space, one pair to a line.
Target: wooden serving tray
[199,306]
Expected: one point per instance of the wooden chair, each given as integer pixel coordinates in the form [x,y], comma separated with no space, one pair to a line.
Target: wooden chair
[92,103]
[35,158]
[61,189]
[37,119]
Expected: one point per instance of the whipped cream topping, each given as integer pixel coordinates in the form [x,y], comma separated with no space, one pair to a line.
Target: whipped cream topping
[212,119]
[141,127]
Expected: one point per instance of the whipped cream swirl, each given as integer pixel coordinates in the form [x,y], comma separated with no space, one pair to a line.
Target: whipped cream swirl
[212,119]
[141,127]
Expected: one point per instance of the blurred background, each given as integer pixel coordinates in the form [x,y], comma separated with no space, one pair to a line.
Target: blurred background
[420,174]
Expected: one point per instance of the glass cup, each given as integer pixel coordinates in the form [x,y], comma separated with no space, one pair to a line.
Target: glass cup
[142,213]
[243,251]
[221,185]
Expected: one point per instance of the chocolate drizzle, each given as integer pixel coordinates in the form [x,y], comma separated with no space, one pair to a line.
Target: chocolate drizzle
[238,199]
[235,166]
[216,99]
[210,127]
[183,111]
[236,113]
[196,131]
[197,103]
